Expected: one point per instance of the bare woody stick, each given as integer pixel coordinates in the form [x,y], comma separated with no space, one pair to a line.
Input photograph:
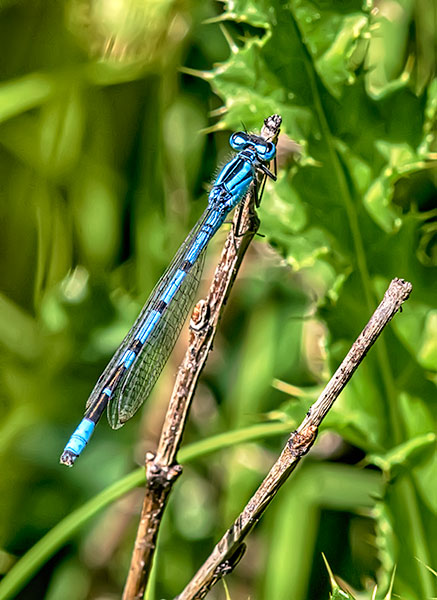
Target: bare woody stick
[162,469]
[230,548]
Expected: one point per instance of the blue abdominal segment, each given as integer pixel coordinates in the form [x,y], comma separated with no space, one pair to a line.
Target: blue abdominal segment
[78,441]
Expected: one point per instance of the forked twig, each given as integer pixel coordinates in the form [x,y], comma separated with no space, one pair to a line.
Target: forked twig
[161,468]
[230,548]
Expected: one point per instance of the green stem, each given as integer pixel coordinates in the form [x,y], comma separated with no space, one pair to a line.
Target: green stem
[421,549]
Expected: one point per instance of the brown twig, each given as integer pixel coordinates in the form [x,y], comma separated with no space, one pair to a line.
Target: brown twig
[229,549]
[162,469]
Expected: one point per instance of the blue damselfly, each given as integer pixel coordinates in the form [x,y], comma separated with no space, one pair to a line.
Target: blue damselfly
[133,370]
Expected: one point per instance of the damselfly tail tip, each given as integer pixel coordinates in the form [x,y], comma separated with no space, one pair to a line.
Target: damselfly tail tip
[77,442]
[68,458]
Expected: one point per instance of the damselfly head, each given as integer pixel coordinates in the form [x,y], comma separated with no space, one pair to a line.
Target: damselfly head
[242,140]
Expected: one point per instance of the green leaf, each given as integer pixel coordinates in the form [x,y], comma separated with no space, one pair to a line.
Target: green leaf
[358,204]
[335,40]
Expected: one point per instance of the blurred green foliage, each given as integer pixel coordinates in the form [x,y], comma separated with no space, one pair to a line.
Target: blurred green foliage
[106,144]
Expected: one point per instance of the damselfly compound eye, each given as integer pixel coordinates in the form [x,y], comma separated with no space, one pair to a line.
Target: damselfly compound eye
[266,151]
[239,140]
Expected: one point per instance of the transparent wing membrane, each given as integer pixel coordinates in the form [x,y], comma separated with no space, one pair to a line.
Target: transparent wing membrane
[184,296]
[141,377]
